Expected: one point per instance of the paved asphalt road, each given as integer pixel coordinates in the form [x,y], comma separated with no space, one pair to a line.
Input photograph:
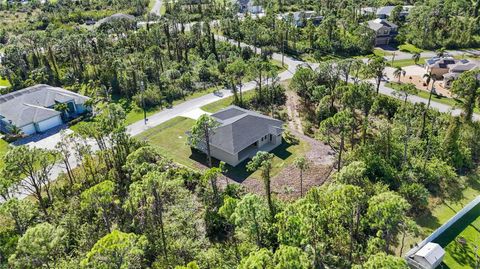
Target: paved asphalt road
[194,104]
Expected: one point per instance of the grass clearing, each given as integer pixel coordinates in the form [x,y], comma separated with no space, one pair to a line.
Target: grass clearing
[3,150]
[424,94]
[171,141]
[4,82]
[457,256]
[409,48]
[381,52]
[405,62]
[223,103]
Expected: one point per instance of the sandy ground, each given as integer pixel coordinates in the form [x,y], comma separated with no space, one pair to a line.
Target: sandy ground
[414,74]
[294,120]
[286,184]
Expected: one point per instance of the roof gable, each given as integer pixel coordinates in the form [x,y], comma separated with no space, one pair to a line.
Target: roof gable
[240,128]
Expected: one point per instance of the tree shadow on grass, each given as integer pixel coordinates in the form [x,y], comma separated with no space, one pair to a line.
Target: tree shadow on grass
[239,173]
[462,253]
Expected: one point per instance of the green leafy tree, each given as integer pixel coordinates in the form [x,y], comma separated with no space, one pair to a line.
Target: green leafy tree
[30,167]
[147,202]
[41,246]
[416,57]
[201,133]
[22,212]
[251,216]
[288,257]
[302,164]
[398,73]
[384,261]
[467,88]
[340,124]
[263,161]
[261,259]
[386,211]
[116,250]
[100,199]
[376,68]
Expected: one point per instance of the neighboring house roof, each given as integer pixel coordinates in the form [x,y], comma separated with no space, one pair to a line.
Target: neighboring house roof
[385,11]
[379,23]
[440,62]
[239,128]
[34,104]
[462,66]
[300,15]
[432,252]
[118,16]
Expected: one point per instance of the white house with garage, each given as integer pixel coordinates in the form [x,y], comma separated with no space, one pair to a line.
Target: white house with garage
[32,109]
[241,134]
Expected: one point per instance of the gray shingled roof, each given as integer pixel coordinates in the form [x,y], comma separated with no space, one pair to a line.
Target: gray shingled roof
[379,23]
[114,17]
[33,104]
[239,128]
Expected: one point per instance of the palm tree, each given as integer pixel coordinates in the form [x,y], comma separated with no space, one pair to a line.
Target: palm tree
[416,57]
[429,77]
[440,52]
[398,73]
[62,108]
[301,163]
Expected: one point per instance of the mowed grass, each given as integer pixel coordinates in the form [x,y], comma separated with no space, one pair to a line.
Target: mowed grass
[409,48]
[439,214]
[457,256]
[223,103]
[4,82]
[454,103]
[405,62]
[171,141]
[3,150]
[463,238]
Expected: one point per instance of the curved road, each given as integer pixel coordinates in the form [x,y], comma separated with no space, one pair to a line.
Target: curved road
[195,104]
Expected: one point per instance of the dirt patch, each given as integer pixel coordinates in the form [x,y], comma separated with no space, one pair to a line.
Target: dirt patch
[286,184]
[294,119]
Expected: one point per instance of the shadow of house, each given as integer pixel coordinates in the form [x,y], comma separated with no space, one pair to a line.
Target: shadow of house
[239,173]
[241,134]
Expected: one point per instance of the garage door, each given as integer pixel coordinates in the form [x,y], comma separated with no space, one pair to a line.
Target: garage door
[49,123]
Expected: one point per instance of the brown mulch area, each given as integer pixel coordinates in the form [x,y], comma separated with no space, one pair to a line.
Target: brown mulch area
[286,184]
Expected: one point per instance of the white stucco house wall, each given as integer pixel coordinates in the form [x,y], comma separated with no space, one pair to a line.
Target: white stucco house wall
[32,109]
[242,133]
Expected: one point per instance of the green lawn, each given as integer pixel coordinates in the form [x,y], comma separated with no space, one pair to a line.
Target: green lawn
[171,141]
[381,52]
[4,82]
[424,94]
[223,103]
[3,150]
[409,48]
[457,256]
[405,62]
